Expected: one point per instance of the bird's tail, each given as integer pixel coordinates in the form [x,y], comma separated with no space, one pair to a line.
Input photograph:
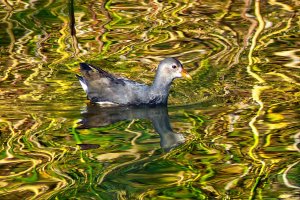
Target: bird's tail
[82,83]
[85,67]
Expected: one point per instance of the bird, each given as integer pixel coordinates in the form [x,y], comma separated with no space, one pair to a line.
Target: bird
[107,89]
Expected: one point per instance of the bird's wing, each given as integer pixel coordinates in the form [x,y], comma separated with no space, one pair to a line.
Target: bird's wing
[90,73]
[105,87]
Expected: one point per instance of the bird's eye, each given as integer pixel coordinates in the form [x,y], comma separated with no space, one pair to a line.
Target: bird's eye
[174,66]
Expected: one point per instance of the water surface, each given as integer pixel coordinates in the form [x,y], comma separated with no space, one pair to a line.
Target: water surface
[231,133]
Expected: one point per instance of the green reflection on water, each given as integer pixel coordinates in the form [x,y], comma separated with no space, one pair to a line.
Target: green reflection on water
[230,133]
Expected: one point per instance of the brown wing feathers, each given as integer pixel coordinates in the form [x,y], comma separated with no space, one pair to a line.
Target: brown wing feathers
[91,72]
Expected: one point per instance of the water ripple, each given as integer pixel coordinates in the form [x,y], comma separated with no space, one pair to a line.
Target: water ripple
[238,115]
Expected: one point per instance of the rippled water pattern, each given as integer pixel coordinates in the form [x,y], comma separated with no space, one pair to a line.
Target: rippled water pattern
[233,132]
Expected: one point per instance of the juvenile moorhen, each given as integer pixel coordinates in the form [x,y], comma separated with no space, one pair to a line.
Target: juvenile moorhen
[106,89]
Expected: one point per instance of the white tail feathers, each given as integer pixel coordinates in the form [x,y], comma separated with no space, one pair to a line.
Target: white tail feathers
[83,85]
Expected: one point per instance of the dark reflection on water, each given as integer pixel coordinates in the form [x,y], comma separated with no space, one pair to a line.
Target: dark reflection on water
[97,116]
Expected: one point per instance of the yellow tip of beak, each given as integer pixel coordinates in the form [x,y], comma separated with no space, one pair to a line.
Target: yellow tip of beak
[185,74]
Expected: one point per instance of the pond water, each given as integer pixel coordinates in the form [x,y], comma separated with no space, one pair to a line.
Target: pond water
[232,132]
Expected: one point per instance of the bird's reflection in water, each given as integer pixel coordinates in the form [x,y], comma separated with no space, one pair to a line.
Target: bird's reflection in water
[96,116]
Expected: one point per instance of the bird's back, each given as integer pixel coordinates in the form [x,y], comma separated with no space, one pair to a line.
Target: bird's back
[103,87]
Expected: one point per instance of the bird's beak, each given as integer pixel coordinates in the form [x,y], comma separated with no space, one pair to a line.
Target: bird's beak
[185,74]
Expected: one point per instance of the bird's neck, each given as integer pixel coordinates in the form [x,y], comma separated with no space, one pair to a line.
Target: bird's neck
[160,88]
[162,83]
